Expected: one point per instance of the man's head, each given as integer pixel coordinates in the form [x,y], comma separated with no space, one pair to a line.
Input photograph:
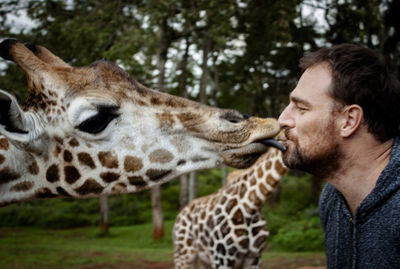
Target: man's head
[343,90]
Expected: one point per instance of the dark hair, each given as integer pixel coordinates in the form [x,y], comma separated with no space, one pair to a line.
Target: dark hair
[361,77]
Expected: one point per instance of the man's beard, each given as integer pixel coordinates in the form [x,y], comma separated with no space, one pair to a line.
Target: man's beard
[321,162]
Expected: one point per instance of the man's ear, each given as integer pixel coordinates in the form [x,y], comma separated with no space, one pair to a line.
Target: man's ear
[352,117]
[15,124]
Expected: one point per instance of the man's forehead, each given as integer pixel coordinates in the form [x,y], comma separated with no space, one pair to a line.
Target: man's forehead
[314,84]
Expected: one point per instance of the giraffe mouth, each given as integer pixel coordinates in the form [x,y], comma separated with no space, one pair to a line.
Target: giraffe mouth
[245,156]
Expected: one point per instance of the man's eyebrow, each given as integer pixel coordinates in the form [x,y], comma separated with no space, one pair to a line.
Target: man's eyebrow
[298,100]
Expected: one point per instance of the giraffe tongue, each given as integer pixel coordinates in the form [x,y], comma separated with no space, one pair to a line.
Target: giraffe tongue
[270,142]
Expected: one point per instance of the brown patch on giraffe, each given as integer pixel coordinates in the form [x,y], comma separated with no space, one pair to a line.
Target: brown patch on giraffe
[155,101]
[71,174]
[256,230]
[33,168]
[243,190]
[161,156]
[62,192]
[253,181]
[280,168]
[85,159]
[52,174]
[68,156]
[57,151]
[272,181]
[238,218]
[241,232]
[244,243]
[248,209]
[73,143]
[254,198]
[260,172]
[219,220]
[268,165]
[22,186]
[4,144]
[119,188]
[166,119]
[225,229]
[210,222]
[109,176]
[230,205]
[132,164]
[218,211]
[223,200]
[221,249]
[141,103]
[90,186]
[260,241]
[187,117]
[263,189]
[8,175]
[108,159]
[157,174]
[232,251]
[137,181]
[2,158]
[59,140]
[44,193]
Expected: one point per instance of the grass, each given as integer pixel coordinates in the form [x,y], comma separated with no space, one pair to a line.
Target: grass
[41,248]
[124,247]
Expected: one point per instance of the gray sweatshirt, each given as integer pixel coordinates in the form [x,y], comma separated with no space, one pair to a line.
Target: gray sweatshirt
[371,238]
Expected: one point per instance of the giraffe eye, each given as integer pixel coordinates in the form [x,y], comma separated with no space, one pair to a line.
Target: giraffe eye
[97,123]
[235,117]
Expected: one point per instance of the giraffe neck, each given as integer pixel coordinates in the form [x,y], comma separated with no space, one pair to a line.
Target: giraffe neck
[256,184]
[20,175]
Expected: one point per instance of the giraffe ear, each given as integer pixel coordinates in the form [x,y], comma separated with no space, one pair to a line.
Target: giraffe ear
[14,123]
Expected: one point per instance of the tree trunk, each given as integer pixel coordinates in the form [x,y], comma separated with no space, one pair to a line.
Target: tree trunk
[183,195]
[162,54]
[224,174]
[192,186]
[184,186]
[158,221]
[104,226]
[204,68]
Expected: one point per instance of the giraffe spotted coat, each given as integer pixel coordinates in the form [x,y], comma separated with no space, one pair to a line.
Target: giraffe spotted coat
[227,229]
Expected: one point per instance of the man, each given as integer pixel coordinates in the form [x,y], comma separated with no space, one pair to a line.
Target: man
[342,124]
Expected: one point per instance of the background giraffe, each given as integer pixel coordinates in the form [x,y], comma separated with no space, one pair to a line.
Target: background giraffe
[227,229]
[91,131]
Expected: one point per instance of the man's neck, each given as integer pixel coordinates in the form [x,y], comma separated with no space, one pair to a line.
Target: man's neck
[360,169]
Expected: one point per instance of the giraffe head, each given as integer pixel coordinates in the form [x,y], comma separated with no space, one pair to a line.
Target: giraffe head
[78,125]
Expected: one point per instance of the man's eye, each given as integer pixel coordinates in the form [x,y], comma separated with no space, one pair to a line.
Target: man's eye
[97,123]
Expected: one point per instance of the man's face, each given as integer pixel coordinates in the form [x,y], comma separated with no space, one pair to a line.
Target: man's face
[310,125]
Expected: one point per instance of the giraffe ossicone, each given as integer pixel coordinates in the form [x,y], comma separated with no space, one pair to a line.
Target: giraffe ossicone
[90,131]
[227,229]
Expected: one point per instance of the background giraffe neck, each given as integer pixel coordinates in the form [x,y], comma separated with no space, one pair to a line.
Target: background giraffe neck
[261,179]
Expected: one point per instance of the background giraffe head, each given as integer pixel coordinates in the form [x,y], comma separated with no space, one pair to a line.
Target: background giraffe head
[94,130]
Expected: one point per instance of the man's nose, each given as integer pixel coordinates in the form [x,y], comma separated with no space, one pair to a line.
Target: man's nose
[284,119]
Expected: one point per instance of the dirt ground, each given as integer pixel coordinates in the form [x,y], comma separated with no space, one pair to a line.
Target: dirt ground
[297,263]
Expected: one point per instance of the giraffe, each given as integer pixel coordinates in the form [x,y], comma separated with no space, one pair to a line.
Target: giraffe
[90,131]
[227,229]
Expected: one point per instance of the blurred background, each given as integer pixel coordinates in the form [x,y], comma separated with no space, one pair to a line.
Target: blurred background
[240,54]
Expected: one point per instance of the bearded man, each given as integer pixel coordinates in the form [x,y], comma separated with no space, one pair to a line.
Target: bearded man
[342,124]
